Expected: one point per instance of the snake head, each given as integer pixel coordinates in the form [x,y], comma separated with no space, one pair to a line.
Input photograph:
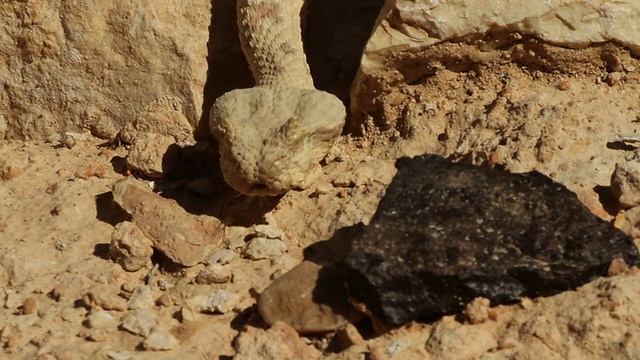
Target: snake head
[270,139]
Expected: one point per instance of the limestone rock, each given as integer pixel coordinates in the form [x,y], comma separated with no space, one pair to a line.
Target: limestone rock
[411,25]
[262,248]
[129,247]
[140,322]
[625,183]
[68,66]
[446,233]
[160,339]
[308,298]
[278,342]
[214,274]
[218,301]
[183,238]
[399,47]
[152,154]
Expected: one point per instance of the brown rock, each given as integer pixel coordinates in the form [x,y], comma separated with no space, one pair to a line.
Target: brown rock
[310,298]
[625,183]
[129,247]
[105,297]
[29,306]
[183,238]
[279,342]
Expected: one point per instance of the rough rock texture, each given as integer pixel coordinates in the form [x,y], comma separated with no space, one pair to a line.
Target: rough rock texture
[307,298]
[67,66]
[446,233]
[184,239]
[278,342]
[129,247]
[502,97]
[625,183]
[272,136]
[407,31]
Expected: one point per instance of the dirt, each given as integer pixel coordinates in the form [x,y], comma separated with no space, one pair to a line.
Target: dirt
[64,297]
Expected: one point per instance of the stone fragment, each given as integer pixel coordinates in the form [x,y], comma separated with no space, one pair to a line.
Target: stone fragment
[152,154]
[100,320]
[263,248]
[446,233]
[308,298]
[223,257]
[12,166]
[214,274]
[218,301]
[165,300]
[139,322]
[130,247]
[160,339]
[105,297]
[141,298]
[184,238]
[278,342]
[269,231]
[477,311]
[625,183]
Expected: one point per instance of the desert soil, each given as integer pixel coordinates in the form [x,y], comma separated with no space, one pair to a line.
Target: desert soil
[554,110]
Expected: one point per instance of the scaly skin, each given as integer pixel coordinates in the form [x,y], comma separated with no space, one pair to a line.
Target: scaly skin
[273,135]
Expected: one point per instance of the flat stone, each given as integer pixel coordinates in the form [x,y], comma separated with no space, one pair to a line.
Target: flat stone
[625,183]
[446,233]
[184,238]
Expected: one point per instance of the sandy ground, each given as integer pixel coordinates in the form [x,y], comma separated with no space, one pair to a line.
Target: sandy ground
[63,297]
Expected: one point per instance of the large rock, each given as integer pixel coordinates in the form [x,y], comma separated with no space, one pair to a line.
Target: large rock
[408,28]
[446,233]
[70,65]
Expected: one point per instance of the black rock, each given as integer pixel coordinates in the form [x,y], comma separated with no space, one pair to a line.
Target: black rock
[446,233]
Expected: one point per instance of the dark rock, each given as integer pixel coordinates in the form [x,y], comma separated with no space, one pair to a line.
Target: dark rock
[446,233]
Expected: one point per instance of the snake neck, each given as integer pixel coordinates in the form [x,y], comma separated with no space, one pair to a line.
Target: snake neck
[271,40]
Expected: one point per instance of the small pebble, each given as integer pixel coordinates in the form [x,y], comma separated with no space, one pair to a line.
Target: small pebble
[29,306]
[165,300]
[214,274]
[269,231]
[160,339]
[100,320]
[218,301]
[477,311]
[140,322]
[263,248]
[617,267]
[223,257]
[105,297]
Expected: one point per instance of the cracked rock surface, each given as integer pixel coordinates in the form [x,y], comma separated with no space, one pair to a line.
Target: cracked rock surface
[446,233]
